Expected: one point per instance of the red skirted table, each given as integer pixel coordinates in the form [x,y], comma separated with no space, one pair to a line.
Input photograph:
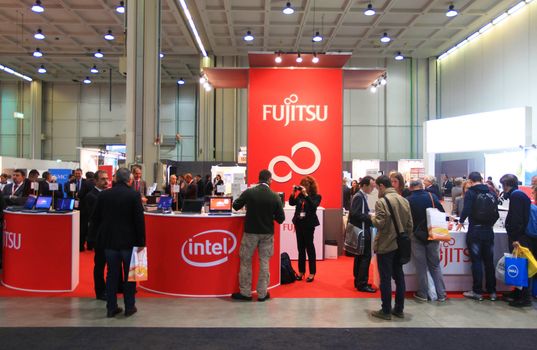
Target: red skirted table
[198,255]
[41,251]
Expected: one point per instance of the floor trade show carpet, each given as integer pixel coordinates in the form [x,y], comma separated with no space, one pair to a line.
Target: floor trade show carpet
[267,338]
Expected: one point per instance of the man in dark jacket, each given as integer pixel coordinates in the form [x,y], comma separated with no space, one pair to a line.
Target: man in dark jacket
[359,217]
[119,220]
[515,225]
[263,207]
[480,237]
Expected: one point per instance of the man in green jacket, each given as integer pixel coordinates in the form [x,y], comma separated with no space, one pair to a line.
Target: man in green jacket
[385,246]
[263,207]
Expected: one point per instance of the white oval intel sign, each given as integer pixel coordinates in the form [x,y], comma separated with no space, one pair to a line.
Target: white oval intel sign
[209,248]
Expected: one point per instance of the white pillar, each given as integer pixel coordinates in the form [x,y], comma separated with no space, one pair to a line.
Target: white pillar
[36,98]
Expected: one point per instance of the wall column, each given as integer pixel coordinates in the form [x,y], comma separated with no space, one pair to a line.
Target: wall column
[36,102]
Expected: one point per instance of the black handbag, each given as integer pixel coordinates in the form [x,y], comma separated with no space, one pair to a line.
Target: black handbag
[403,239]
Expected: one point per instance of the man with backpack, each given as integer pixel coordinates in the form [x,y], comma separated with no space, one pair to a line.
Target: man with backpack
[516,223]
[481,209]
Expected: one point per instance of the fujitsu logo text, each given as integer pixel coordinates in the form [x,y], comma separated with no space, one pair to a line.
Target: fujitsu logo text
[290,111]
[12,240]
[451,254]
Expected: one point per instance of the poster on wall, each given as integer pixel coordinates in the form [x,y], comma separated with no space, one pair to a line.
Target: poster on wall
[530,166]
[295,128]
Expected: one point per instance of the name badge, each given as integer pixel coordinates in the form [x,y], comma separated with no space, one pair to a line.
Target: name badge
[302,214]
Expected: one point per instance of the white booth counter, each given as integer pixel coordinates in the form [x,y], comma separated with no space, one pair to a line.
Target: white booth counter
[288,234]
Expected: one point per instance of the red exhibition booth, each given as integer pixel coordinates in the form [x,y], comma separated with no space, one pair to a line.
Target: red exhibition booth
[41,251]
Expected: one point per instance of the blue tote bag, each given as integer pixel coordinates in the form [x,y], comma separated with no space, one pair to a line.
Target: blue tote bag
[516,272]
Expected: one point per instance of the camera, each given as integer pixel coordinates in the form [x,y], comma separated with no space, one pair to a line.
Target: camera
[297,188]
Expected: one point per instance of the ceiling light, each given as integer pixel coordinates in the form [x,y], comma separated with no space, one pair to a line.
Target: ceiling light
[37,7]
[473,36]
[499,18]
[98,54]
[317,37]
[39,35]
[315,59]
[299,58]
[373,88]
[94,69]
[109,36]
[207,86]
[161,55]
[516,7]
[385,38]
[248,36]
[41,69]
[383,81]
[181,81]
[399,56]
[203,80]
[193,27]
[370,11]
[451,12]
[87,81]
[121,7]
[37,53]
[15,73]
[278,58]
[485,28]
[288,10]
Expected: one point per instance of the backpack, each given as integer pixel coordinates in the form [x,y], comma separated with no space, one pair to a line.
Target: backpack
[288,274]
[531,230]
[485,209]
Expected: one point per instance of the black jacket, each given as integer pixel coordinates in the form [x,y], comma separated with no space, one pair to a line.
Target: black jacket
[469,199]
[119,218]
[263,206]
[44,190]
[518,215]
[307,204]
[359,213]
[419,201]
[87,207]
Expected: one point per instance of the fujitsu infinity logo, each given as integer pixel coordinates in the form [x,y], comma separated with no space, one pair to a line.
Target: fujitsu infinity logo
[290,111]
[209,248]
[292,165]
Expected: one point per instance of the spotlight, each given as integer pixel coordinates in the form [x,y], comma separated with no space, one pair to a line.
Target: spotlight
[399,56]
[451,12]
[109,36]
[203,80]
[370,11]
[161,55]
[299,58]
[121,7]
[385,38]
[315,59]
[98,54]
[87,81]
[278,58]
[373,89]
[248,36]
[317,37]
[288,10]
[37,7]
[94,69]
[180,81]
[39,35]
[37,53]
[207,86]
[42,69]
[383,81]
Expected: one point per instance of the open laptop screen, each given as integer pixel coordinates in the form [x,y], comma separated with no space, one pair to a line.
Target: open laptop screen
[66,204]
[220,204]
[43,202]
[165,202]
[30,201]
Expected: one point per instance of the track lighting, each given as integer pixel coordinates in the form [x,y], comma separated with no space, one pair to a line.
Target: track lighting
[94,69]
[385,38]
[451,12]
[87,81]
[288,10]
[383,80]
[98,54]
[37,7]
[278,58]
[299,58]
[37,53]
[248,36]
[109,36]
[317,37]
[121,7]
[42,69]
[315,59]
[399,56]
[370,11]
[203,79]
[373,88]
[39,35]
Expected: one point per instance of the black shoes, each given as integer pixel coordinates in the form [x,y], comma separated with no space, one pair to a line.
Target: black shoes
[113,313]
[367,289]
[398,314]
[130,312]
[101,297]
[299,277]
[239,296]
[520,303]
[265,298]
[310,278]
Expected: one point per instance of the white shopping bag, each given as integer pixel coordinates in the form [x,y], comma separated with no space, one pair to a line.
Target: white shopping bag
[437,225]
[138,266]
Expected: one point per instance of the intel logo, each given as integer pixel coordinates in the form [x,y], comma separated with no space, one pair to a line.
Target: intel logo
[209,248]
[512,271]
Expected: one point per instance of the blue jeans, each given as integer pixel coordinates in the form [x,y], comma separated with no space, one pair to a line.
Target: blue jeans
[116,260]
[480,242]
[389,267]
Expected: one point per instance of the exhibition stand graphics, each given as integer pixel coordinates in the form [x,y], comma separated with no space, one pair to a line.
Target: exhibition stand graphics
[295,128]
[41,251]
[198,255]
[288,234]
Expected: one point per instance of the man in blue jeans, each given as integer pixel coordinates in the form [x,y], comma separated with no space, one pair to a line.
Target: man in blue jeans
[481,209]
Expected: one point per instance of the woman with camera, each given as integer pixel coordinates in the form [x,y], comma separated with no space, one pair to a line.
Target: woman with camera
[306,200]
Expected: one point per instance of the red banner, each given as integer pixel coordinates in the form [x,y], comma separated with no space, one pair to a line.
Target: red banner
[295,129]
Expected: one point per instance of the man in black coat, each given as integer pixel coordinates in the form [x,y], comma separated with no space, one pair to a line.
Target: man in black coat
[119,220]
[16,192]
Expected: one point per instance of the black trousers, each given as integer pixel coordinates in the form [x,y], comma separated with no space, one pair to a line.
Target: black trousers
[304,240]
[361,266]
[389,267]
[98,271]
[531,244]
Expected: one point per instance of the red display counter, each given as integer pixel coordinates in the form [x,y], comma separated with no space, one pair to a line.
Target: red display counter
[198,255]
[41,251]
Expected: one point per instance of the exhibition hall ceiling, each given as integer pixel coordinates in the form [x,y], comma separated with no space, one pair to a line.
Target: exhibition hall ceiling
[74,30]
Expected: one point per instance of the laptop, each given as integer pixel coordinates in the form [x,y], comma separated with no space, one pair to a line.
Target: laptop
[164,204]
[192,206]
[64,205]
[28,205]
[220,205]
[42,204]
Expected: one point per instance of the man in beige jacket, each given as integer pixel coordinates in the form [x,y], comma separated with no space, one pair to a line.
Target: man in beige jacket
[385,246]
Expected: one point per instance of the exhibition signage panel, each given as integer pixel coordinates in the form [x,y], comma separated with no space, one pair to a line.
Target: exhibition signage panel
[198,255]
[295,128]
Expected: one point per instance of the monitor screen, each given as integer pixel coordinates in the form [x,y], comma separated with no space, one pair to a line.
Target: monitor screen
[220,204]
[43,202]
[65,204]
[30,201]
[165,202]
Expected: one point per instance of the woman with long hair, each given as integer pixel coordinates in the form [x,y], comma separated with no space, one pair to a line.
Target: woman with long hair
[306,199]
[398,182]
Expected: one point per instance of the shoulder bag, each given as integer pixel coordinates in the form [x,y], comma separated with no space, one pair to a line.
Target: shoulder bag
[355,236]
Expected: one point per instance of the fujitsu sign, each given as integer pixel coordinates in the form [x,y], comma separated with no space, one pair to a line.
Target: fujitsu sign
[209,248]
[290,111]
